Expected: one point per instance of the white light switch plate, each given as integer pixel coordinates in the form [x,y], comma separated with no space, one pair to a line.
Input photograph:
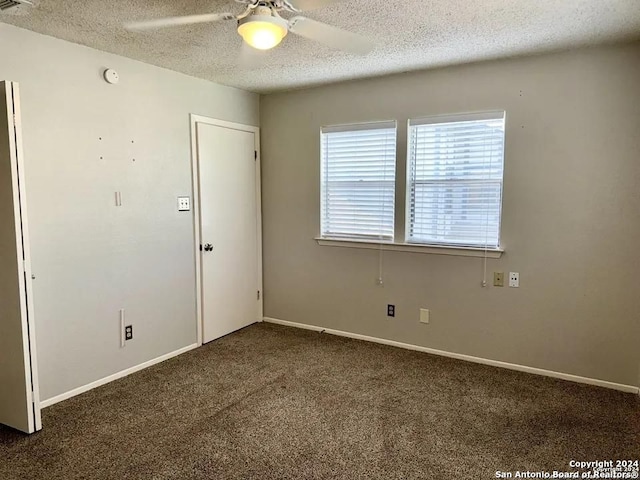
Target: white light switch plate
[514,279]
[184,204]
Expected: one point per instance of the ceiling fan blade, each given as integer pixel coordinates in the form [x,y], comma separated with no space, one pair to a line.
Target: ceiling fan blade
[302,5]
[176,21]
[331,36]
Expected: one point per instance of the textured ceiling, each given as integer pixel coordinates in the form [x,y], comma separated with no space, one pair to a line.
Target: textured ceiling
[410,35]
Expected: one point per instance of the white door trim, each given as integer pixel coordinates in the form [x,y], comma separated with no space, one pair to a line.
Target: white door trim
[28,274]
[195,119]
[27,349]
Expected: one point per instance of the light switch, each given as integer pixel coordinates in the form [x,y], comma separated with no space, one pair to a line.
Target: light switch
[184,204]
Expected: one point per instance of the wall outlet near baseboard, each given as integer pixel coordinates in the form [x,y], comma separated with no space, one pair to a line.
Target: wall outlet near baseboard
[424,315]
[128,332]
[391,310]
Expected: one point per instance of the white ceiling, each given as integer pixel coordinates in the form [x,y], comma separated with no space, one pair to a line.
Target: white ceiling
[410,34]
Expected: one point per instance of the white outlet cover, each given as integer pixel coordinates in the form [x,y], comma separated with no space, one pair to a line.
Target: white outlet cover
[424,315]
[514,279]
[184,204]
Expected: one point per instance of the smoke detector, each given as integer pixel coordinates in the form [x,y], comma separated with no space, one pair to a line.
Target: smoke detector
[9,5]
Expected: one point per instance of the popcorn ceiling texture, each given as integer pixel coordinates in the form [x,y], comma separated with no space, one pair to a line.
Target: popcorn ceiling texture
[410,34]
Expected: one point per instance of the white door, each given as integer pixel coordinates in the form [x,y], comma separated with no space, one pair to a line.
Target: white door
[229,228]
[19,397]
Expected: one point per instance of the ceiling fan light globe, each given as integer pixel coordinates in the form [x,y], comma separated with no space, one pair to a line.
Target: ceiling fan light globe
[262,32]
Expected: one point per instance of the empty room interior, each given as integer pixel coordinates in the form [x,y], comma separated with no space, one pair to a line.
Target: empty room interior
[285,239]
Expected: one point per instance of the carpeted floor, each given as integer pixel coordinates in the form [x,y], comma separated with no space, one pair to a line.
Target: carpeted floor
[272,402]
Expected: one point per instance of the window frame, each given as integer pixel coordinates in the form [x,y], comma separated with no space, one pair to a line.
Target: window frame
[355,127]
[413,247]
[451,118]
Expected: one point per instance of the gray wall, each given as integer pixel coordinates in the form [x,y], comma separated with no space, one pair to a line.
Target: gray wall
[570,224]
[91,258]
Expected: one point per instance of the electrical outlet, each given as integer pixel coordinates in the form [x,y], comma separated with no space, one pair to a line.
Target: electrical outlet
[128,332]
[514,279]
[391,310]
[498,279]
[424,315]
[184,204]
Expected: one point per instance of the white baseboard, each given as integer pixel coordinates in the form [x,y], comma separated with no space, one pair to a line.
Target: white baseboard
[115,376]
[467,358]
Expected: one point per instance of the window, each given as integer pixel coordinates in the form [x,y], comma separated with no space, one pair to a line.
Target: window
[454,180]
[358,168]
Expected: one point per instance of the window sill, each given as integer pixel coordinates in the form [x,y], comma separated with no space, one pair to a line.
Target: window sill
[411,247]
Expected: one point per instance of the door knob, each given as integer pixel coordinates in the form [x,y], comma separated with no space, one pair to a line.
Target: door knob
[208,247]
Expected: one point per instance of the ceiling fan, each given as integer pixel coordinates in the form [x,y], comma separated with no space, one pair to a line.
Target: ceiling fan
[262,27]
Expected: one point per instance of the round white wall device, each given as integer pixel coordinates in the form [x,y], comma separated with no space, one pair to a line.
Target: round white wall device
[111,76]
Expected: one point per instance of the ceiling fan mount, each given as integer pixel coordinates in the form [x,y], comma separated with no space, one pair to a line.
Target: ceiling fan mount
[262,27]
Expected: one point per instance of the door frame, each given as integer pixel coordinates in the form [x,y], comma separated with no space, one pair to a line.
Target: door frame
[197,219]
[23,250]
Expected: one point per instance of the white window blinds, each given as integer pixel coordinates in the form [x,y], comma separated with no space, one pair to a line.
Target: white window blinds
[358,168]
[454,186]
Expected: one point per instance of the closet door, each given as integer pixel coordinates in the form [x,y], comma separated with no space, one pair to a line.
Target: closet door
[230,226]
[19,398]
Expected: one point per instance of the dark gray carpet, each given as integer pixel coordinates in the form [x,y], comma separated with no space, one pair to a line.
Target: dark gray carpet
[271,402]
